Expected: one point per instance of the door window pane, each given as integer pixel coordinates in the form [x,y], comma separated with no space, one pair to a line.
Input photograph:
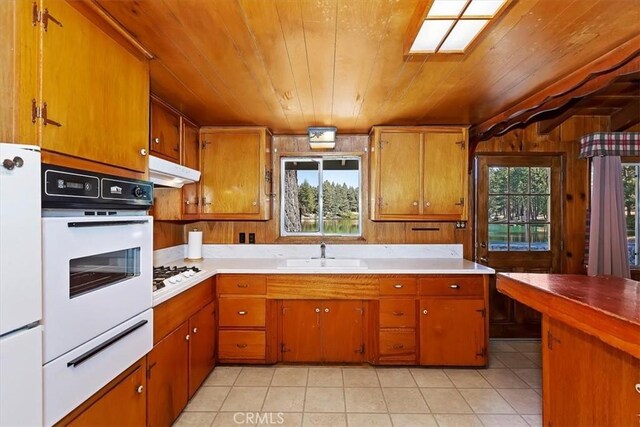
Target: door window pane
[498,208]
[540,180]
[498,179]
[498,237]
[518,180]
[539,237]
[518,237]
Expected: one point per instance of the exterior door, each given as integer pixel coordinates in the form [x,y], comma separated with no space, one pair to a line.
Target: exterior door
[301,331]
[518,229]
[342,334]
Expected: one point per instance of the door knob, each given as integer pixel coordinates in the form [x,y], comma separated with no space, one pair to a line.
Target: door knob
[8,164]
[143,152]
[140,389]
[427,204]
[317,310]
[638,387]
[156,140]
[188,337]
[195,330]
[425,311]
[415,203]
[326,310]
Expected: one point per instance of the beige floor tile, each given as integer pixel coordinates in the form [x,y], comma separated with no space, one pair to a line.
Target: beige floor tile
[284,399]
[503,378]
[223,375]
[369,420]
[405,400]
[493,420]
[413,420]
[532,376]
[533,420]
[515,360]
[324,420]
[445,401]
[195,419]
[395,377]
[431,378]
[524,401]
[359,377]
[495,363]
[281,419]
[450,420]
[255,376]
[228,419]
[500,347]
[484,401]
[467,378]
[324,399]
[245,399]
[208,399]
[325,377]
[290,377]
[526,346]
[536,358]
[364,399]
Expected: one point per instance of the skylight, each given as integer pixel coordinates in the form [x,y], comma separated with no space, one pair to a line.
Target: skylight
[452,25]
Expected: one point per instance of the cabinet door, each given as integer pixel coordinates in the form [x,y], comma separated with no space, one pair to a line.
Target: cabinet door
[167,377]
[128,396]
[342,331]
[399,175]
[301,331]
[95,89]
[165,132]
[452,332]
[445,171]
[202,327]
[191,159]
[231,173]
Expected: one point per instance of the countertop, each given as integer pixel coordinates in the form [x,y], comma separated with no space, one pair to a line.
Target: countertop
[603,306]
[211,267]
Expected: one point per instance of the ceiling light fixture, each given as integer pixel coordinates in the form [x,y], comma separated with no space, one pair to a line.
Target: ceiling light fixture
[322,137]
[450,26]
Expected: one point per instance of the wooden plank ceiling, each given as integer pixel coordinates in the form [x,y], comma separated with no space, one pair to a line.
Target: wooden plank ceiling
[290,64]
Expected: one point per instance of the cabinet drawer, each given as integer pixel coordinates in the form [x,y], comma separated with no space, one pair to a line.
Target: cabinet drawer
[452,286]
[397,313]
[398,345]
[243,312]
[242,284]
[241,345]
[402,286]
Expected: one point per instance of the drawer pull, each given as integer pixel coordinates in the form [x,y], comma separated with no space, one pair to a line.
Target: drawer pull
[241,345]
[140,389]
[326,310]
[317,310]
[454,286]
[398,346]
[398,313]
[243,285]
[425,311]
[398,286]
[242,312]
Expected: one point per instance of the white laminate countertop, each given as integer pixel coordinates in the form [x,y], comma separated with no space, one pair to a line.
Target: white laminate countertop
[363,266]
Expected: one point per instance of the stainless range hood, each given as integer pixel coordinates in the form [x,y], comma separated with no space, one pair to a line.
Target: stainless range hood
[169,174]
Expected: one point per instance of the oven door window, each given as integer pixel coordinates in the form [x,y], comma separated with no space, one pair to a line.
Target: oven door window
[88,274]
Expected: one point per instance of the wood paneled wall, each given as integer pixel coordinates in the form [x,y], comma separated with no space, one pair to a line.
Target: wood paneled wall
[167,234]
[564,140]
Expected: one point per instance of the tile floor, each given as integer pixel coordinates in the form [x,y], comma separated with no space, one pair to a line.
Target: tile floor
[508,393]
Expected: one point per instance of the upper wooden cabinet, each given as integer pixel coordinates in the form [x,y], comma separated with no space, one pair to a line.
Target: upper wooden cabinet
[236,173]
[191,159]
[165,132]
[418,173]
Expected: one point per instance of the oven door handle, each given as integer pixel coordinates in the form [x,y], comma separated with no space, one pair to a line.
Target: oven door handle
[89,354]
[104,223]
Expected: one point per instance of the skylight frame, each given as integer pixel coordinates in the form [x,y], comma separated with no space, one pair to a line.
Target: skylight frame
[422,15]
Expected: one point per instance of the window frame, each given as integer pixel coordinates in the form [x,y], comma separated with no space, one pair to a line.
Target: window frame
[319,159]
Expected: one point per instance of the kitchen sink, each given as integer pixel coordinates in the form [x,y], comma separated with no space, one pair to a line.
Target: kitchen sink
[347,263]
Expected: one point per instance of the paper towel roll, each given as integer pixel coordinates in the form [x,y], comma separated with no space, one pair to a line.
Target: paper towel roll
[194,245]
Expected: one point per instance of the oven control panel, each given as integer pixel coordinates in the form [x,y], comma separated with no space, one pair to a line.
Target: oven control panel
[71,188]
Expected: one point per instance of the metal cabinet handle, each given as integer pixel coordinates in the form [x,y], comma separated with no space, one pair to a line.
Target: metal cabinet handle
[195,330]
[140,389]
[317,310]
[188,337]
[454,286]
[398,346]
[425,311]
[398,286]
[156,140]
[398,313]
[241,345]
[143,152]
[242,285]
[326,310]
[242,312]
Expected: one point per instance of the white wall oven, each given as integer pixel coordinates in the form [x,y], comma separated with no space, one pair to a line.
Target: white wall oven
[97,282]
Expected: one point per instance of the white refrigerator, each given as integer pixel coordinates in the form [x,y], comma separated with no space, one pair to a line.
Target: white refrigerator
[20,286]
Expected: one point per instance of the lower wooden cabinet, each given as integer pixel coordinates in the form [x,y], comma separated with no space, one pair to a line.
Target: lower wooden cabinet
[242,345]
[322,331]
[202,356]
[127,393]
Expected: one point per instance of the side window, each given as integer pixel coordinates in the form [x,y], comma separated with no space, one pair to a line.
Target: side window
[630,174]
[320,196]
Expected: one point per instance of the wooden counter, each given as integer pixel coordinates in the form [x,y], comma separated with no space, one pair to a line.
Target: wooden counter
[590,346]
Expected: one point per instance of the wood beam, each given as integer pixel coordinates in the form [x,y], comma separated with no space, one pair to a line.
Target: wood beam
[626,117]
[546,126]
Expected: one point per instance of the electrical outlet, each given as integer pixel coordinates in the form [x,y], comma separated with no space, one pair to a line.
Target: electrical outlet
[252,238]
[241,238]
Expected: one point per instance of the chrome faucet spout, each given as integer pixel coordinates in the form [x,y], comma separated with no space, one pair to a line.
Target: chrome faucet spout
[323,250]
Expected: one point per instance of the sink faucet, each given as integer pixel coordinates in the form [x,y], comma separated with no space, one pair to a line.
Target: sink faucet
[323,250]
